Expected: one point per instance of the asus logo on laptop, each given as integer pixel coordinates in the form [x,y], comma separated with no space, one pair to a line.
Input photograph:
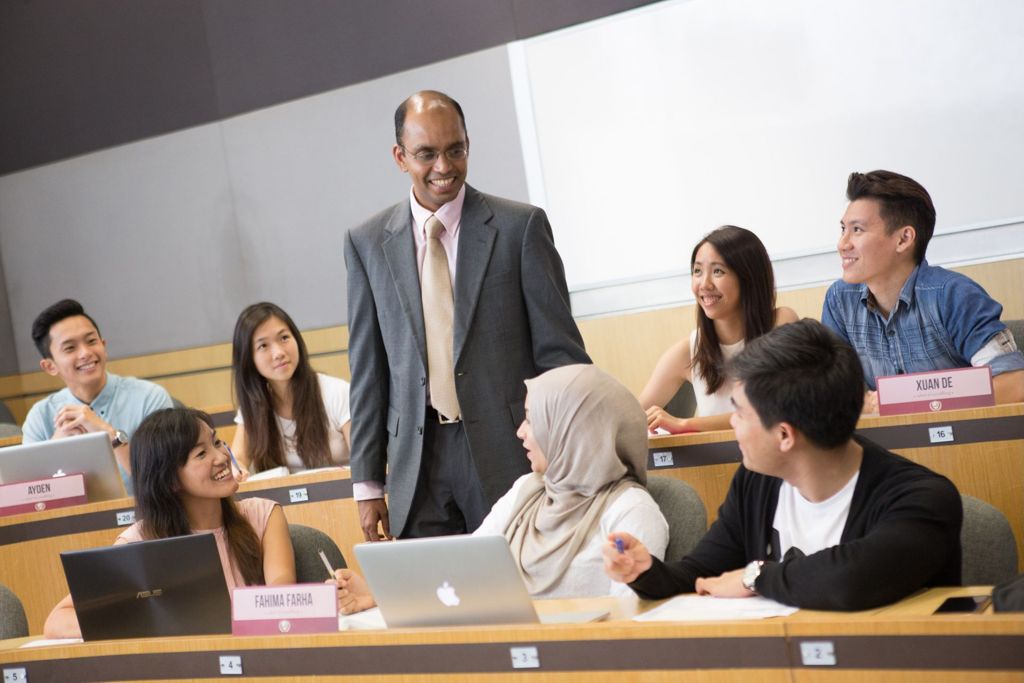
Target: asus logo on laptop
[155,593]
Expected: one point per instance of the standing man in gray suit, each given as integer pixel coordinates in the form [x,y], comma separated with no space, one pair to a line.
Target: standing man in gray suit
[454,298]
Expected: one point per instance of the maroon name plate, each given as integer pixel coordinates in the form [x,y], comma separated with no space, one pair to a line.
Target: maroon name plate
[297,608]
[923,392]
[42,494]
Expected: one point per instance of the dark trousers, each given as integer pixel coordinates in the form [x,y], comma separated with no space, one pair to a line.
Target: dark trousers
[449,497]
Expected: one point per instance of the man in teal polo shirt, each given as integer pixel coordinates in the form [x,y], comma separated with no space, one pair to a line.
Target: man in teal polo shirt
[92,399]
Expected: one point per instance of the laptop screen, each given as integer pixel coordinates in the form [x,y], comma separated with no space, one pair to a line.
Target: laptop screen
[88,454]
[168,587]
[445,581]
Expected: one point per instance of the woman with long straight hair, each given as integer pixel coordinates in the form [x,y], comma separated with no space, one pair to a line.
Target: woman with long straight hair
[288,414]
[734,285]
[184,485]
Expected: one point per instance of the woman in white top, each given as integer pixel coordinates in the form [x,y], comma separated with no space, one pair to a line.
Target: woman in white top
[586,438]
[288,414]
[734,285]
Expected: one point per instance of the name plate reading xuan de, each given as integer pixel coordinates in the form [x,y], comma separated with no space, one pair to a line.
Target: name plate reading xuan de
[923,392]
[42,494]
[298,608]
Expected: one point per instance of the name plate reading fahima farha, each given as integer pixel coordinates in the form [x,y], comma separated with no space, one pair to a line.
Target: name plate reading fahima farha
[923,392]
[298,608]
[42,494]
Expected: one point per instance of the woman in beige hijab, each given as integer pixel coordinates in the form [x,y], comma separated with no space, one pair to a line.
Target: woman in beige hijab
[586,438]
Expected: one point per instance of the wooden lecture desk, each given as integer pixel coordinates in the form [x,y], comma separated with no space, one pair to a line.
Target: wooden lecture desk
[900,642]
[983,456]
[31,543]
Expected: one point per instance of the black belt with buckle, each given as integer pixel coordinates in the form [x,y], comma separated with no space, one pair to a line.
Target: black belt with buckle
[441,419]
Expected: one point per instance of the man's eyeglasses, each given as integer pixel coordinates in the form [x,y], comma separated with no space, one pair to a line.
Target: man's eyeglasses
[429,156]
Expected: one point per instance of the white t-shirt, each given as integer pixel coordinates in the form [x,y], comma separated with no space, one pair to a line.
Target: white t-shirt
[634,512]
[811,526]
[334,392]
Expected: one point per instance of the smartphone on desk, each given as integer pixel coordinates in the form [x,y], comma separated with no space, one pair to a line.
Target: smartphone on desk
[971,604]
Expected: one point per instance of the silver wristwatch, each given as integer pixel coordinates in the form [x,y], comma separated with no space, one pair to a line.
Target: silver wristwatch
[120,439]
[750,574]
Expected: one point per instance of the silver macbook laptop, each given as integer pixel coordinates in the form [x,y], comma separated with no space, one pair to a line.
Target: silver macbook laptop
[88,454]
[168,587]
[451,581]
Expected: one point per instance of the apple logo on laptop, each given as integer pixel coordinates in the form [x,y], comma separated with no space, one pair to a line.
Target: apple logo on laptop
[446,594]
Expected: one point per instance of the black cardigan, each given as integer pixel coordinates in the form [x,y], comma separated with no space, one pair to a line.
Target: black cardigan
[902,534]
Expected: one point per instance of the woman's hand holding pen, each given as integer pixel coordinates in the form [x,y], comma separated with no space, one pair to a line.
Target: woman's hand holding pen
[353,593]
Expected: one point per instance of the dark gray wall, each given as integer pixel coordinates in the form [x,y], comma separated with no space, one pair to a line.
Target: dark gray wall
[168,162]
[85,75]
[165,240]
[8,358]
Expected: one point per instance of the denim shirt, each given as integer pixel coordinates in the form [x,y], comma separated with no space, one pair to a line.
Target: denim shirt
[941,320]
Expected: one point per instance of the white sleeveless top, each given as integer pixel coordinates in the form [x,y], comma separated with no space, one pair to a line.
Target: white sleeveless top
[718,402]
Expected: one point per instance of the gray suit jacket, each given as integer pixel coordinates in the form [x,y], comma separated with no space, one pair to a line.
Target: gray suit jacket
[512,322]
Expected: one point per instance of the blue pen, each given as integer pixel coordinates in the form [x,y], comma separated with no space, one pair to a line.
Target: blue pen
[620,546]
[232,456]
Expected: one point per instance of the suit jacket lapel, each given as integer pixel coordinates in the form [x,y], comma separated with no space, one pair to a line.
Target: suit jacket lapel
[476,240]
[400,253]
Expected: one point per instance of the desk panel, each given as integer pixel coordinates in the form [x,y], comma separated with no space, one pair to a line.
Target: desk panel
[885,644]
[580,653]
[985,459]
[30,544]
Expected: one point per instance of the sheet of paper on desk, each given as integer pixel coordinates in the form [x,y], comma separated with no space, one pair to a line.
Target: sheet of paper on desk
[370,619]
[272,473]
[43,642]
[707,608]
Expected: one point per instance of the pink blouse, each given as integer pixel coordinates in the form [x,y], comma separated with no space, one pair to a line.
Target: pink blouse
[255,510]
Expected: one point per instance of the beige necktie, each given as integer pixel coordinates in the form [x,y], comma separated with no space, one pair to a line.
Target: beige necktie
[438,319]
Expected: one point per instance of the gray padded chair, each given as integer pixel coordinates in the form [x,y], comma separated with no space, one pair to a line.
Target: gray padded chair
[8,426]
[1017,328]
[684,403]
[684,511]
[989,548]
[306,541]
[5,414]
[13,623]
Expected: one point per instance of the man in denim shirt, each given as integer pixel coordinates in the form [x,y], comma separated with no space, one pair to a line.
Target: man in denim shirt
[899,313]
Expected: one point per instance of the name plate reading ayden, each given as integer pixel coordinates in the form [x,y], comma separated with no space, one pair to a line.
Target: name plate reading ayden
[299,608]
[924,392]
[42,494]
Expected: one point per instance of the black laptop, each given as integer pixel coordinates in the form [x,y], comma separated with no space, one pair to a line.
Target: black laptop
[169,587]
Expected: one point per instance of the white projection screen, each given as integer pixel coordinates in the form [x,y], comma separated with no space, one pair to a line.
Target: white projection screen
[654,126]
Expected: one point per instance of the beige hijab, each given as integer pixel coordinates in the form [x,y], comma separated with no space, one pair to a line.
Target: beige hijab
[594,435]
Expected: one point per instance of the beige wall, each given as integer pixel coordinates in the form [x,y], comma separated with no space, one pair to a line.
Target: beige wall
[627,346]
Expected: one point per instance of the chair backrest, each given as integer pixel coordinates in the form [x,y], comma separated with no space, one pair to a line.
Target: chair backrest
[13,623]
[684,511]
[988,546]
[8,430]
[684,403]
[6,417]
[306,541]
[1017,328]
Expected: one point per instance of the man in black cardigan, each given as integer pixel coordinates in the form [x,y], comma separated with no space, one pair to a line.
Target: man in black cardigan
[815,517]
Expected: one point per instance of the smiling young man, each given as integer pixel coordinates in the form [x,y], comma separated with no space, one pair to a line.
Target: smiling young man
[815,517]
[455,297]
[901,314]
[92,399]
